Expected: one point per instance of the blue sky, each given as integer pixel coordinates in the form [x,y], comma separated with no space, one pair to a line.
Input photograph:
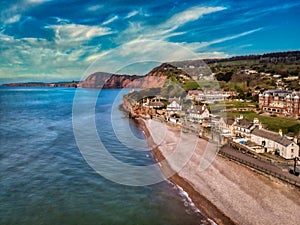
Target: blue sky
[52,40]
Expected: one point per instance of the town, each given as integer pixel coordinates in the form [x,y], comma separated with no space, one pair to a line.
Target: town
[230,125]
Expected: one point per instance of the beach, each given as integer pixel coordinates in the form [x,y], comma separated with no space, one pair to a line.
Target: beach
[226,192]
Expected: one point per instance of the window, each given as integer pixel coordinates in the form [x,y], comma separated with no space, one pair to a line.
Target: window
[292,150]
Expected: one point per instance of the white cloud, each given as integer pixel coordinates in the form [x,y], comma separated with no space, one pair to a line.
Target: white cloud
[94,8]
[233,37]
[61,20]
[138,51]
[273,8]
[77,32]
[37,1]
[110,20]
[141,42]
[189,15]
[70,50]
[246,46]
[195,46]
[132,14]
[167,29]
[13,13]
[92,57]
[5,38]
[13,19]
[31,57]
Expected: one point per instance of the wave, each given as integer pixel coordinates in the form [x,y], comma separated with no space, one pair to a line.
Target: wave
[187,201]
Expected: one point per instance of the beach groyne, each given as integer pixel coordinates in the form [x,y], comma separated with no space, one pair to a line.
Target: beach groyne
[226,192]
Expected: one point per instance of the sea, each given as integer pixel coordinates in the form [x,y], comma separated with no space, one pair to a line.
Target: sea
[45,178]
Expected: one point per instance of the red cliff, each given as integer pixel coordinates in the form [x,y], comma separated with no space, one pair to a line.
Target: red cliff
[155,78]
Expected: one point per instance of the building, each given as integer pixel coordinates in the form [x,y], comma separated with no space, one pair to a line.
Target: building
[226,125]
[242,127]
[279,102]
[196,113]
[209,97]
[152,102]
[174,105]
[275,142]
[156,105]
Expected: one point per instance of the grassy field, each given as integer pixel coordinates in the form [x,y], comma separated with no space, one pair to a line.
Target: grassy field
[290,126]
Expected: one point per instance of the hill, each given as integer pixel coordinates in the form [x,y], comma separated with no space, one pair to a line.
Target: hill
[241,73]
[258,72]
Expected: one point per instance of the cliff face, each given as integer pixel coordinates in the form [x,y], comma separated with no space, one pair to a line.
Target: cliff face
[155,78]
[107,81]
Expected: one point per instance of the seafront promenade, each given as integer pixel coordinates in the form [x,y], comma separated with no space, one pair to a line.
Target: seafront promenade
[267,167]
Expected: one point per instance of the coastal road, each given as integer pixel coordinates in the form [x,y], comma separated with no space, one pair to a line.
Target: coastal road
[264,166]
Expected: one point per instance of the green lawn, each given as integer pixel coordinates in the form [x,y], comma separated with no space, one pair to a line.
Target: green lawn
[272,123]
[217,107]
[238,104]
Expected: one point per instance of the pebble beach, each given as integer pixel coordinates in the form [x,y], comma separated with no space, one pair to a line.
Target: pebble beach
[227,192]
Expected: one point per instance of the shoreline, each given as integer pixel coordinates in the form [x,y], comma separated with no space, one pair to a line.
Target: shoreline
[226,192]
[201,202]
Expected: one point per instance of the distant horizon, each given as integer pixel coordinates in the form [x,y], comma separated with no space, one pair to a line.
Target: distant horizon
[78,80]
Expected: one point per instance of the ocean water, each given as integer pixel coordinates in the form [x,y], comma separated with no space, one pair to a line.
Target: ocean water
[44,178]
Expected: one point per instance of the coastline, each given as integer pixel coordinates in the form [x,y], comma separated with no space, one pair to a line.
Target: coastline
[201,202]
[227,192]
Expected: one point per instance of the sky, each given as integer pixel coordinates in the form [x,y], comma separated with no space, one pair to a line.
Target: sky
[55,40]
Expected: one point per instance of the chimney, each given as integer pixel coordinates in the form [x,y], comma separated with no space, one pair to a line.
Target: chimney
[260,125]
[280,132]
[295,140]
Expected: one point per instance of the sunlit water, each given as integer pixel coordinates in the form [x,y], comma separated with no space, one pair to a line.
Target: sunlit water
[45,180]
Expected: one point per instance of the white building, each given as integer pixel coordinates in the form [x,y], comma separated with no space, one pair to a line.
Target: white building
[275,142]
[174,105]
[196,113]
[242,127]
[209,97]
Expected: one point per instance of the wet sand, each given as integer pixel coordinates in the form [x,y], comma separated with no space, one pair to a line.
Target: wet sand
[227,192]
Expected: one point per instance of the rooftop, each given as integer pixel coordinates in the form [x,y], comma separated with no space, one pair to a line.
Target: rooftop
[272,136]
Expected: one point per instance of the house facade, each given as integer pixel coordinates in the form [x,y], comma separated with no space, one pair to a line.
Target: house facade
[196,113]
[242,127]
[279,102]
[275,142]
[225,125]
[174,105]
[209,97]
